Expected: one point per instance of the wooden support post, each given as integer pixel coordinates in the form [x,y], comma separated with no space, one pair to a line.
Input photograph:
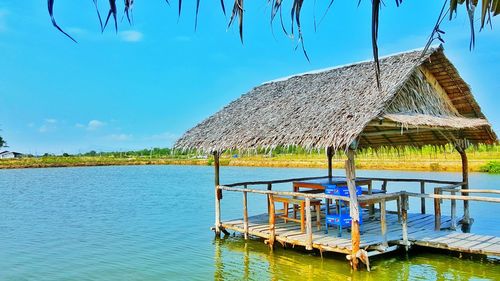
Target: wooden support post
[465,178]
[329,154]
[245,214]
[353,206]
[271,221]
[404,219]
[383,224]
[309,233]
[384,185]
[453,225]
[398,208]
[218,194]
[269,187]
[371,207]
[437,210]
[422,200]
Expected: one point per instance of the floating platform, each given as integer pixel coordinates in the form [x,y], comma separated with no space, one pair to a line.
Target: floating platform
[420,232]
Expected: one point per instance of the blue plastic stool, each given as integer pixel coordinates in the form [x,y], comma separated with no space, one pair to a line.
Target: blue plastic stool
[341,220]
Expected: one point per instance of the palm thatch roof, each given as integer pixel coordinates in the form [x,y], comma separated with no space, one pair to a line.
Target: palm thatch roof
[422,101]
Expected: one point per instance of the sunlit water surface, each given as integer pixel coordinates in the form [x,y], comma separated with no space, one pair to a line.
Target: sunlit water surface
[153,223]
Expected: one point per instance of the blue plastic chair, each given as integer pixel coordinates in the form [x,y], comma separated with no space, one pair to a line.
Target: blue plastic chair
[342,219]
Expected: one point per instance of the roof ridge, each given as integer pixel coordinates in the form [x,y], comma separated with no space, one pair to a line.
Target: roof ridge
[431,49]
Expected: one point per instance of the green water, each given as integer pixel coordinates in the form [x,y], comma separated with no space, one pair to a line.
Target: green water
[152,223]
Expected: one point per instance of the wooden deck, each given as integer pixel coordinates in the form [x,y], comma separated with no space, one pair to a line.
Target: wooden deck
[420,232]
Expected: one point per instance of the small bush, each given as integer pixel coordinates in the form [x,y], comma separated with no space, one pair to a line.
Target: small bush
[434,167]
[491,167]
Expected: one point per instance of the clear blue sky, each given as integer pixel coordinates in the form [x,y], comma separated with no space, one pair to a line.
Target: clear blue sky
[146,85]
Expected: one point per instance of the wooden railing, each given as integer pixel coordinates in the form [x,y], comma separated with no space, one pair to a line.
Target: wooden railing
[438,197]
[401,197]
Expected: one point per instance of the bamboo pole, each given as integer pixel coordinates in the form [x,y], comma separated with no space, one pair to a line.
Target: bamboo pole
[383,224]
[353,206]
[329,154]
[309,239]
[245,214]
[422,200]
[437,210]
[218,194]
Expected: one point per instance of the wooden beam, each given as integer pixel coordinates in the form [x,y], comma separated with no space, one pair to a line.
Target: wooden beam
[400,132]
[353,206]
[218,193]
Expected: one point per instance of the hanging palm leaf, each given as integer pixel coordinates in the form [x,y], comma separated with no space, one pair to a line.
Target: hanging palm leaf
[489,8]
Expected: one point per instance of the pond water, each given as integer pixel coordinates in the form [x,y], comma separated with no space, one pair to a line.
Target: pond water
[153,223]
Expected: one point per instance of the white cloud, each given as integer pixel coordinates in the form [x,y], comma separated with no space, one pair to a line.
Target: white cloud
[119,137]
[48,125]
[131,36]
[94,125]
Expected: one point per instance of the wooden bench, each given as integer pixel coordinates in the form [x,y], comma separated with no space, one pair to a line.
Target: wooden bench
[290,200]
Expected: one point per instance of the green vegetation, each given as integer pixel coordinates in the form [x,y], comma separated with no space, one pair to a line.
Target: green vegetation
[481,159]
[2,142]
[491,167]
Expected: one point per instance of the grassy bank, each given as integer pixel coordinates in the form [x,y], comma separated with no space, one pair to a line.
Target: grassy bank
[478,162]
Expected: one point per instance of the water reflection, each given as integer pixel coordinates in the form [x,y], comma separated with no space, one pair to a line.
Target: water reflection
[237,259]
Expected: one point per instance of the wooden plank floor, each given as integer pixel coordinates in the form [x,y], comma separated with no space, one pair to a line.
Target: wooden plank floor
[420,232]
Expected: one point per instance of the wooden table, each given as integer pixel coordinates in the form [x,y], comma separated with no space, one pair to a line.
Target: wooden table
[286,200]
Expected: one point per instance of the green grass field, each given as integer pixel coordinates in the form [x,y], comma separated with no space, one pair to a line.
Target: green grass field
[481,159]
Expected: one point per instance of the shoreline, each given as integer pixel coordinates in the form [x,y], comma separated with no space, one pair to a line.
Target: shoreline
[434,165]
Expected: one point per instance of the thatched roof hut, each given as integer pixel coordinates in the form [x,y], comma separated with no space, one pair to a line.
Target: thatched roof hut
[423,100]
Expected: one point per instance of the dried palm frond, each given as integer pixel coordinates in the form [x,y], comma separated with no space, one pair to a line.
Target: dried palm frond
[488,8]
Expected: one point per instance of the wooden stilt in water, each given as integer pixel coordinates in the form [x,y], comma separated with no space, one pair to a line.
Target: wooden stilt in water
[308,224]
[353,206]
[437,210]
[272,235]
[218,194]
[269,187]
[465,178]
[404,219]
[422,200]
[453,213]
[383,224]
[245,214]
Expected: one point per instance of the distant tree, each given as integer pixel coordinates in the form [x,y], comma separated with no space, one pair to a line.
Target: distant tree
[2,142]
[66,154]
